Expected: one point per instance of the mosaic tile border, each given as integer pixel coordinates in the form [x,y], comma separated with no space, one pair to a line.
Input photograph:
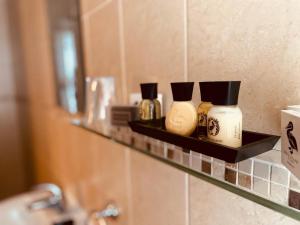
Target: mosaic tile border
[264,178]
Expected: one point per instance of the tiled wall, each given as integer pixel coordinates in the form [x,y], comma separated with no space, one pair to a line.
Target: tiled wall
[263,175]
[163,41]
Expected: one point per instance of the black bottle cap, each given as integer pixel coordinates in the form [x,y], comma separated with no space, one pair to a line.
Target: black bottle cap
[221,92]
[67,222]
[205,91]
[149,90]
[182,91]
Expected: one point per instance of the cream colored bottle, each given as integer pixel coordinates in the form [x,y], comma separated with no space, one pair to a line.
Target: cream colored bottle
[224,119]
[224,125]
[182,118]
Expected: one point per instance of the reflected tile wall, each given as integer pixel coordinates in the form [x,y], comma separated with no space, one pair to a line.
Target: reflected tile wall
[101,44]
[40,89]
[12,159]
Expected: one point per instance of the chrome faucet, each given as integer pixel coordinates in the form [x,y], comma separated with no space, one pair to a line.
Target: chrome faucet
[54,201]
[100,216]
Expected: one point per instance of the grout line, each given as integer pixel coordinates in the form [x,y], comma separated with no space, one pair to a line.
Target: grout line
[289,180]
[289,187]
[270,163]
[97,8]
[212,167]
[128,185]
[187,199]
[252,175]
[237,174]
[165,147]
[122,51]
[269,181]
[191,160]
[185,38]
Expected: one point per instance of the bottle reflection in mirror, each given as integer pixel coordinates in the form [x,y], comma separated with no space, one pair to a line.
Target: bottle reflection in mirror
[100,96]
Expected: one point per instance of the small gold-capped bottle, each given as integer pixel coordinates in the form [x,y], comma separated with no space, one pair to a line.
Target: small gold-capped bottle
[149,108]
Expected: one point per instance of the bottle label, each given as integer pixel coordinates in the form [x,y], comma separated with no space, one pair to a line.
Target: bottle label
[226,130]
[147,110]
[202,119]
[213,126]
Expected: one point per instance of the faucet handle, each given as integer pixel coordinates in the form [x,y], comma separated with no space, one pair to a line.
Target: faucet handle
[54,189]
[110,211]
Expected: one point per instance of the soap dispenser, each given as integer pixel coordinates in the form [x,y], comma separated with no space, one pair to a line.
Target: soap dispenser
[182,118]
[224,119]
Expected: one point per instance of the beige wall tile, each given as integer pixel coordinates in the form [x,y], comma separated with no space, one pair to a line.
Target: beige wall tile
[211,205]
[102,44]
[253,41]
[90,5]
[158,192]
[154,43]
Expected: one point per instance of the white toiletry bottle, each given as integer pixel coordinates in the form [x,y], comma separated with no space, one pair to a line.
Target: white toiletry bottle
[182,118]
[224,119]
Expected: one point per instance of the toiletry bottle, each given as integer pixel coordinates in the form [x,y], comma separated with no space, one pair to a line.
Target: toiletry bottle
[182,118]
[224,119]
[203,109]
[149,108]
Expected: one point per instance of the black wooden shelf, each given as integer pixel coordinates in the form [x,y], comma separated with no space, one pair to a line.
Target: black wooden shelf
[253,143]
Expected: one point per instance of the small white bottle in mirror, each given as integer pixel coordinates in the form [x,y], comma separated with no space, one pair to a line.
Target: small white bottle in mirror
[224,119]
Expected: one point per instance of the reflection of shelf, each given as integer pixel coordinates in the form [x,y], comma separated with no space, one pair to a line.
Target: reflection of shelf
[235,178]
[253,143]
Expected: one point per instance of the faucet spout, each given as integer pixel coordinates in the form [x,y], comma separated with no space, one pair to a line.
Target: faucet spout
[54,201]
